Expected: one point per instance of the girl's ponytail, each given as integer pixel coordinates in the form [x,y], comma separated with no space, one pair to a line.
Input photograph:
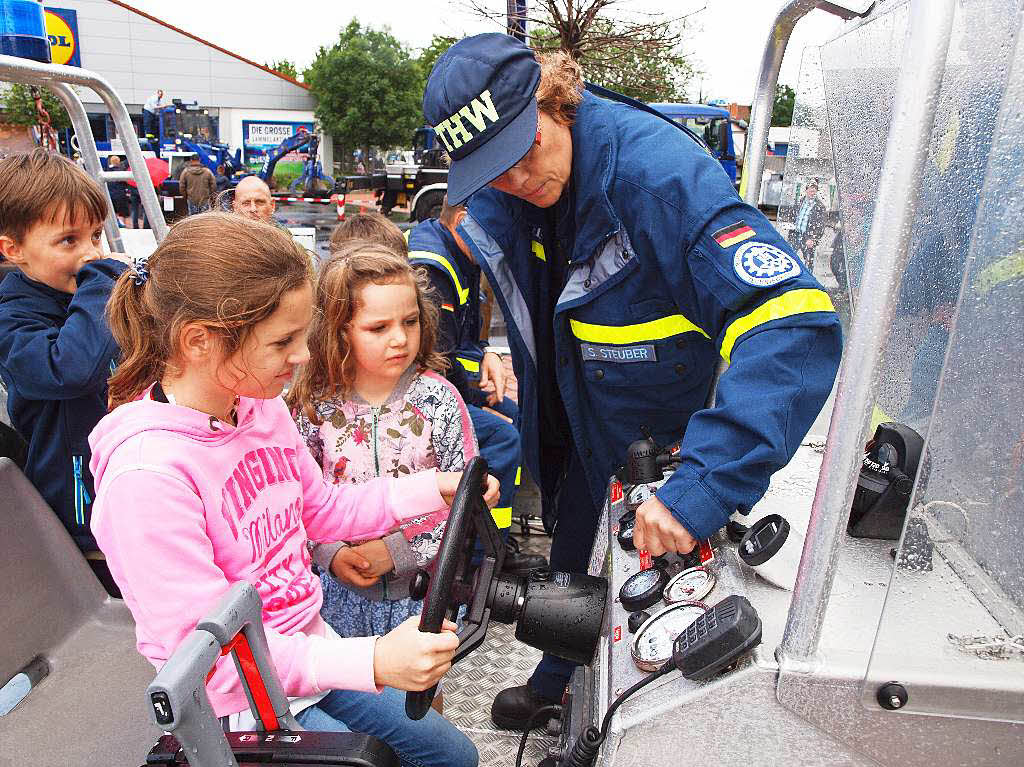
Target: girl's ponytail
[134,328]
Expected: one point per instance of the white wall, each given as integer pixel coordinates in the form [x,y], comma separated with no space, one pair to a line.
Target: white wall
[138,56]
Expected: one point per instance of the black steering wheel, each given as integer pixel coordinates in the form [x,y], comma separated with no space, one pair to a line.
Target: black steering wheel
[456,579]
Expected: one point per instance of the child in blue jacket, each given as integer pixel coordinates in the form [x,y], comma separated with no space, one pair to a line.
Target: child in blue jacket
[56,352]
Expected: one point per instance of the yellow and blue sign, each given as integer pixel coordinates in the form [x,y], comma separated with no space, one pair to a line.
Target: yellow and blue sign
[62,29]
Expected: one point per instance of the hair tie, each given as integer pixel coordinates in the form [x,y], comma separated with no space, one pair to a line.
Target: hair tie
[141,270]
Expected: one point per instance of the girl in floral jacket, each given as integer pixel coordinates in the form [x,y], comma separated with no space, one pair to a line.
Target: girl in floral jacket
[369,404]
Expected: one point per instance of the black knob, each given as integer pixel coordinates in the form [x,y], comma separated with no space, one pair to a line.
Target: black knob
[636,620]
[892,696]
[419,584]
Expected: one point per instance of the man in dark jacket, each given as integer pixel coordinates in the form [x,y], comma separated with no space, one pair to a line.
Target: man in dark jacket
[56,351]
[476,372]
[198,186]
[626,266]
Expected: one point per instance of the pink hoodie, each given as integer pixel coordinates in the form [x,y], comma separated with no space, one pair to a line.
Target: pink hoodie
[183,511]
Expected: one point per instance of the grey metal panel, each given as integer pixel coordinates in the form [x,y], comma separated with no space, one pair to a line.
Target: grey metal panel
[92,702]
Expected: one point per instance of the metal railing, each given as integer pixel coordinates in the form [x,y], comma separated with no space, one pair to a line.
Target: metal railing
[59,80]
[764,96]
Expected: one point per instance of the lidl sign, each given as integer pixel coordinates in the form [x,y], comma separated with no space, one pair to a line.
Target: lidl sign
[62,29]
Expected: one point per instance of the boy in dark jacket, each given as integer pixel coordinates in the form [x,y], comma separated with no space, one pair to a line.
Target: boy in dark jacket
[56,352]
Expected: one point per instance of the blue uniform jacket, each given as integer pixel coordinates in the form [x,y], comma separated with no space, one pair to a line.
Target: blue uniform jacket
[668,270]
[56,354]
[456,283]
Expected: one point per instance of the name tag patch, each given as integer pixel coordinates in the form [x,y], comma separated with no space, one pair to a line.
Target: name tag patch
[641,353]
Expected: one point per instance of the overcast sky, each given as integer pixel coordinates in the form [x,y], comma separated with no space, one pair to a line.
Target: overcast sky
[726,40]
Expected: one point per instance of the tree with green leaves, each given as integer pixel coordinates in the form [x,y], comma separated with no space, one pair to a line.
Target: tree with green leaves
[782,109]
[638,55]
[368,89]
[429,55]
[285,67]
[20,107]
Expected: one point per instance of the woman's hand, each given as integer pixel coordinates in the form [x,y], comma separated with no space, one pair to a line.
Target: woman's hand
[448,483]
[658,531]
[378,557]
[409,659]
[351,568]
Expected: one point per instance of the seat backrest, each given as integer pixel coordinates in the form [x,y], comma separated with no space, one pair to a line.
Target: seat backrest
[49,589]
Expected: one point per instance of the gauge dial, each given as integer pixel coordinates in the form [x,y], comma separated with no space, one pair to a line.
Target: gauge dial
[695,583]
[652,643]
[642,589]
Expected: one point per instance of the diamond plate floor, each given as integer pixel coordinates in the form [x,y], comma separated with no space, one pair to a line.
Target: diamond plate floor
[501,661]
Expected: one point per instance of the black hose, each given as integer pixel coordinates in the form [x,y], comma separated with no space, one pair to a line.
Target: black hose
[584,750]
[543,713]
[588,744]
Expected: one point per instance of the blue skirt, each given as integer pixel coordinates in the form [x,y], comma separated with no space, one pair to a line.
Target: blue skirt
[352,615]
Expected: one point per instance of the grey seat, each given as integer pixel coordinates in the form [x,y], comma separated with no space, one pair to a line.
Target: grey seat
[91,709]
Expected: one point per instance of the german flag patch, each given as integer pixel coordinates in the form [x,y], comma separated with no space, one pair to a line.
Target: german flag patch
[733,234]
[448,307]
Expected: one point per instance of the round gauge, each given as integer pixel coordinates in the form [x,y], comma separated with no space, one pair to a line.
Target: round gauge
[642,589]
[695,583]
[652,643]
[887,454]
[625,534]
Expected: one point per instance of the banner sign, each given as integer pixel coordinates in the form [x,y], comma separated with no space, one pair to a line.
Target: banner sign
[262,136]
[62,29]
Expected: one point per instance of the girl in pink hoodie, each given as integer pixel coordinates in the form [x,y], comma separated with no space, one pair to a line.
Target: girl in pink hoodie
[202,480]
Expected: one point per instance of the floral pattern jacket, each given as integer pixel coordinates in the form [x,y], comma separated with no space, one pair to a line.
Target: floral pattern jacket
[424,424]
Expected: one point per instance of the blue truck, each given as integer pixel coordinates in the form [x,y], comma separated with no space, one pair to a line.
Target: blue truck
[711,123]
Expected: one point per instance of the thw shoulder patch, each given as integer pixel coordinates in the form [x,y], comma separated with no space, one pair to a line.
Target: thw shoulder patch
[764,265]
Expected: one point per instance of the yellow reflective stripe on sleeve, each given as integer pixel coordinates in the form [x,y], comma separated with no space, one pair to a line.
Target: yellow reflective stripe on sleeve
[427,255]
[519,475]
[406,235]
[502,517]
[538,250]
[470,365]
[1004,270]
[794,302]
[632,334]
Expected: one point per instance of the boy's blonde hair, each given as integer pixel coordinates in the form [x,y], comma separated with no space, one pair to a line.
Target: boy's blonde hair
[330,372]
[224,271]
[40,186]
[370,227]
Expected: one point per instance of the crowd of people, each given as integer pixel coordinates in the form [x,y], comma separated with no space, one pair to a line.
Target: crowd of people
[164,379]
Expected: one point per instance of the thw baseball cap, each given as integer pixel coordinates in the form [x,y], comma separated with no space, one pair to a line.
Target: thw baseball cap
[480,101]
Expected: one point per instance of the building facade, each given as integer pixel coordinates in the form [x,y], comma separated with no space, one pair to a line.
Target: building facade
[138,53]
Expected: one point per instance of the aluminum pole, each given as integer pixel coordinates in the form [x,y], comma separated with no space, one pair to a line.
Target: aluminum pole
[764,96]
[28,72]
[90,157]
[906,152]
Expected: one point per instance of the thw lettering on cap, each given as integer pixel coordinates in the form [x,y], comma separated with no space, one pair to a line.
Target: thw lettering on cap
[479,113]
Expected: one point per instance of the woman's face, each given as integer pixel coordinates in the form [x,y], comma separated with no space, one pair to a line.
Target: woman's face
[540,177]
[274,348]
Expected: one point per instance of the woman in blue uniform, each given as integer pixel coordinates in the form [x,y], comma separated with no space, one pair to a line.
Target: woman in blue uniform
[626,266]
